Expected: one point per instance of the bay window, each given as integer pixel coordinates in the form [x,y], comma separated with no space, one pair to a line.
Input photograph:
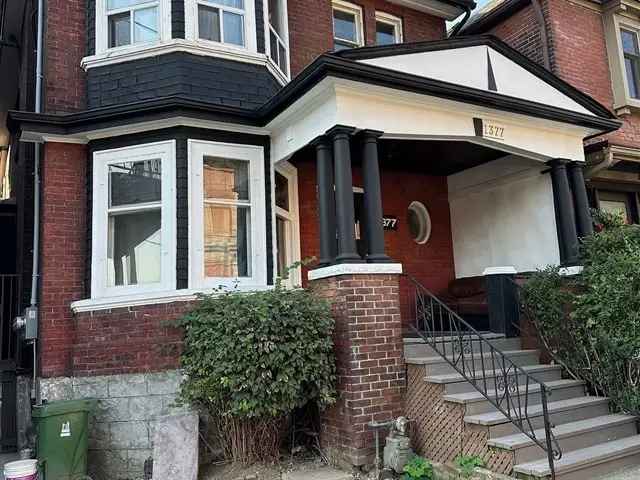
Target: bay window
[222,21]
[133,238]
[228,219]
[631,55]
[132,21]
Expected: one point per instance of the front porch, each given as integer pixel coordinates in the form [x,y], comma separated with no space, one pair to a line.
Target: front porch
[451,177]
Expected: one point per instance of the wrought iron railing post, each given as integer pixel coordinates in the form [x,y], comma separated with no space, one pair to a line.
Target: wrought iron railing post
[547,432]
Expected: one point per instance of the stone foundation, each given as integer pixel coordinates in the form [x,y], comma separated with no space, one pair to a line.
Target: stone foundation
[122,428]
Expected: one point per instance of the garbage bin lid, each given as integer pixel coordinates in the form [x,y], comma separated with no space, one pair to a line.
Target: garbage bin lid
[63,407]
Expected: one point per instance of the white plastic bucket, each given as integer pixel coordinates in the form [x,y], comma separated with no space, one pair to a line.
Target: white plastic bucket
[21,470]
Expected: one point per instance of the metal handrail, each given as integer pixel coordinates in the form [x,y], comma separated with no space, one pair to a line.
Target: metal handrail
[455,343]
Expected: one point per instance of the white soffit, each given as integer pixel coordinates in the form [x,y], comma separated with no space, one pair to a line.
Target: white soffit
[472,67]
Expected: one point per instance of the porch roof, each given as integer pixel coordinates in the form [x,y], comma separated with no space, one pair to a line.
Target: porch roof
[481,73]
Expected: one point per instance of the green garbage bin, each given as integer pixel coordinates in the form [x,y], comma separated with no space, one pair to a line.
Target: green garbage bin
[63,437]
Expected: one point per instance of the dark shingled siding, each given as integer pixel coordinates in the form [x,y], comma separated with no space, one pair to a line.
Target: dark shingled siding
[177,18]
[214,80]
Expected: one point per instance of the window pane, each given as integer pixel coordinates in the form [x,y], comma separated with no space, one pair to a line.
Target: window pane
[283,60]
[134,249]
[225,179]
[209,23]
[132,183]
[233,28]
[114,4]
[385,33]
[282,191]
[230,3]
[281,239]
[616,207]
[344,26]
[275,16]
[274,46]
[119,29]
[338,45]
[629,42]
[632,79]
[226,241]
[145,25]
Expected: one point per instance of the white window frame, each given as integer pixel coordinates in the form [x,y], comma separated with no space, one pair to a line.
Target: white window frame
[292,217]
[285,41]
[102,28]
[249,13]
[253,154]
[352,9]
[165,152]
[395,22]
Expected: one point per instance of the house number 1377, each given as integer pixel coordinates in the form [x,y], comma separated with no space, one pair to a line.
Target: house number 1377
[493,131]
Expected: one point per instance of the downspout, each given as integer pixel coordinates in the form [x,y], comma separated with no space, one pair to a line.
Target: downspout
[461,23]
[537,8]
[36,192]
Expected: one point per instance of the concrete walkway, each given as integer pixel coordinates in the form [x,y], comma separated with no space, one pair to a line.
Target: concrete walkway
[324,473]
[629,473]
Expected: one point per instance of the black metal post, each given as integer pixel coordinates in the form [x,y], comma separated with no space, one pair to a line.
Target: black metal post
[580,199]
[565,213]
[502,297]
[373,217]
[345,215]
[326,201]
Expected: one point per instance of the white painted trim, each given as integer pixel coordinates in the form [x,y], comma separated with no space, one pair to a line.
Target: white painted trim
[352,9]
[355,269]
[394,21]
[293,218]
[255,156]
[433,7]
[166,152]
[191,24]
[102,28]
[192,46]
[500,271]
[285,35]
[86,137]
[156,298]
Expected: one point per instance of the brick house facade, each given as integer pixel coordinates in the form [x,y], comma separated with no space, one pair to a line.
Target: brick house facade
[138,126]
[586,52]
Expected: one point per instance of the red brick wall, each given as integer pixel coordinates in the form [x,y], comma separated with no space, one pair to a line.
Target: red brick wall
[62,252]
[65,42]
[432,264]
[311,27]
[128,340]
[521,31]
[370,362]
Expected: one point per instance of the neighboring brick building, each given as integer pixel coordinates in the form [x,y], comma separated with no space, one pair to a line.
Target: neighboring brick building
[593,45]
[399,157]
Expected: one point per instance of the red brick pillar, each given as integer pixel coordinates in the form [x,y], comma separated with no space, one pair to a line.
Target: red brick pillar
[62,255]
[370,360]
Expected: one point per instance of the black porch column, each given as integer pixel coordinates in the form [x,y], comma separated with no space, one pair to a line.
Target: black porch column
[373,220]
[580,199]
[345,215]
[326,201]
[565,213]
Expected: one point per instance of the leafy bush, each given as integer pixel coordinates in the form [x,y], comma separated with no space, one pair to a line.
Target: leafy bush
[468,463]
[591,324]
[418,468]
[252,358]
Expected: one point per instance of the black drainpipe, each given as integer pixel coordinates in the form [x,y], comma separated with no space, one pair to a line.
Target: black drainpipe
[460,24]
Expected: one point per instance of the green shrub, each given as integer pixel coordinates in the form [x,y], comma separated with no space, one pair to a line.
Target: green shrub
[468,463]
[250,359]
[591,324]
[418,468]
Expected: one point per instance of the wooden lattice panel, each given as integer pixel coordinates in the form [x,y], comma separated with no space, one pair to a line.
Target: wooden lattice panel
[438,430]
[475,443]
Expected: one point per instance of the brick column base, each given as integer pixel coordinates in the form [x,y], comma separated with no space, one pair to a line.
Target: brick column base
[370,363]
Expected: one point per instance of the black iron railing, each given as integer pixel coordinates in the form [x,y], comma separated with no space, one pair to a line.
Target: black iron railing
[503,383]
[10,307]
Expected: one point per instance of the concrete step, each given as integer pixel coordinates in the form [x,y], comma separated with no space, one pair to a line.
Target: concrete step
[456,383]
[476,403]
[560,412]
[418,347]
[571,436]
[586,463]
[436,365]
